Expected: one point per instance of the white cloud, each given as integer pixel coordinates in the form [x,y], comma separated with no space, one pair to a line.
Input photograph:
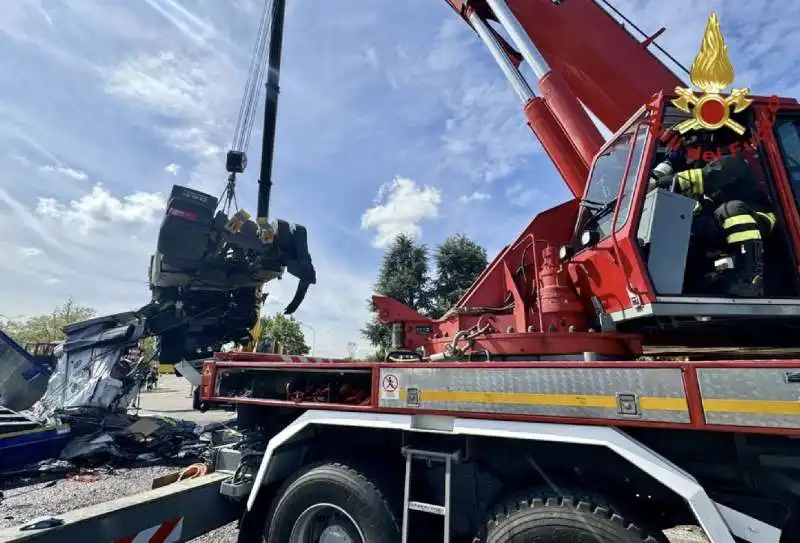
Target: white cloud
[484,134]
[474,197]
[170,83]
[69,172]
[21,159]
[192,90]
[400,207]
[371,56]
[477,139]
[29,252]
[520,195]
[99,206]
[172,168]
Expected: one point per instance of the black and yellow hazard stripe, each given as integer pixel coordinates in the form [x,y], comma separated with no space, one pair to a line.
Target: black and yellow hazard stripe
[690,182]
[741,228]
[769,218]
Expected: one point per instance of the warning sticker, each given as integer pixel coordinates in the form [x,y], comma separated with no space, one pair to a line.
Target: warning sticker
[390,387]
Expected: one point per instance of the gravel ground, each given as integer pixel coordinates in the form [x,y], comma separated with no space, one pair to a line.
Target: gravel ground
[23,501]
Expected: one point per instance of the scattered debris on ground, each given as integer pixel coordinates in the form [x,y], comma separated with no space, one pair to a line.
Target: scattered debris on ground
[101,440]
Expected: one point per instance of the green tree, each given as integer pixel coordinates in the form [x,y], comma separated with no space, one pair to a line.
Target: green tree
[45,328]
[286,333]
[148,347]
[459,261]
[378,356]
[403,275]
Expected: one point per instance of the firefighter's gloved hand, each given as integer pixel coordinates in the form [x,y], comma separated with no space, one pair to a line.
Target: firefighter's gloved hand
[664,169]
[661,176]
[663,182]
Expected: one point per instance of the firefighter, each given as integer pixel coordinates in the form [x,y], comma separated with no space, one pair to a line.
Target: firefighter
[741,208]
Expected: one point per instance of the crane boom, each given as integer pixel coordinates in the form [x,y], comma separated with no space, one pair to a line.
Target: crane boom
[607,68]
[600,66]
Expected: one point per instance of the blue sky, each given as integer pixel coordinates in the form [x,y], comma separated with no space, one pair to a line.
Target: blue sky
[392,118]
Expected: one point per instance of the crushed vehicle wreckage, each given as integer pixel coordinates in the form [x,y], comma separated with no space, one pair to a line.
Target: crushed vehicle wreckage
[78,413]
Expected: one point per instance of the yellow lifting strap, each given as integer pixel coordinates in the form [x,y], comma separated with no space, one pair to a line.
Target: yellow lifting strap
[255,331]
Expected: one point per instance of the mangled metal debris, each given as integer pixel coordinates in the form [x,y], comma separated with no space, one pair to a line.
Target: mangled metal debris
[93,369]
[97,376]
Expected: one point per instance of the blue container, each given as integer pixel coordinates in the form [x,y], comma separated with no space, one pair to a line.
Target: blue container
[27,447]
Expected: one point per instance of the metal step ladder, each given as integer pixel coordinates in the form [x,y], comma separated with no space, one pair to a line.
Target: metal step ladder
[409,505]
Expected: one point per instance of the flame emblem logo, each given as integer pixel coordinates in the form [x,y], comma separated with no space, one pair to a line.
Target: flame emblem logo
[712,73]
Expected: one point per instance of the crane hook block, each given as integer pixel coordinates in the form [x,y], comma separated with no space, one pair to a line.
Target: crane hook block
[236,161]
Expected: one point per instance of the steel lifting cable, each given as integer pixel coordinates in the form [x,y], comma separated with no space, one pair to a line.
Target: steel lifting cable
[643,33]
[256,74]
[248,107]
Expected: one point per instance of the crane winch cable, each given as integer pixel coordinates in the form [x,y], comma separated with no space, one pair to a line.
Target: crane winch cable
[625,19]
[236,160]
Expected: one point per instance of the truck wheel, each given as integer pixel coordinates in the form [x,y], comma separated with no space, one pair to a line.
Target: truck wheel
[560,519]
[331,503]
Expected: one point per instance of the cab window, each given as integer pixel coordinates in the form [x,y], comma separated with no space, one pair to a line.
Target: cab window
[787,131]
[606,179]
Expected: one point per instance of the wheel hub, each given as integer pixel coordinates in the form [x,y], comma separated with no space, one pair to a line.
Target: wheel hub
[335,534]
[326,523]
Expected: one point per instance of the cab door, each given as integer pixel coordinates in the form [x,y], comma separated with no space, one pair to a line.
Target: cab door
[782,146]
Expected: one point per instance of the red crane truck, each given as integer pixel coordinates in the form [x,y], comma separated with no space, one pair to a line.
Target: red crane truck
[585,388]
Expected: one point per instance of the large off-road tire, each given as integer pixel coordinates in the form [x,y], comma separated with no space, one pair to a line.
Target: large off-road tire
[355,505]
[563,519]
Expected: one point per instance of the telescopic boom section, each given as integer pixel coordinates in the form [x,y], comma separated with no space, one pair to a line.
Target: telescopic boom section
[271,108]
[579,54]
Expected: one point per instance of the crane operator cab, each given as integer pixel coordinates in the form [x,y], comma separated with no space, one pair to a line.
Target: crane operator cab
[733,216]
[679,229]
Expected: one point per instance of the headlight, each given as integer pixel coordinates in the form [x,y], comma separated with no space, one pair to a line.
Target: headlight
[589,238]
